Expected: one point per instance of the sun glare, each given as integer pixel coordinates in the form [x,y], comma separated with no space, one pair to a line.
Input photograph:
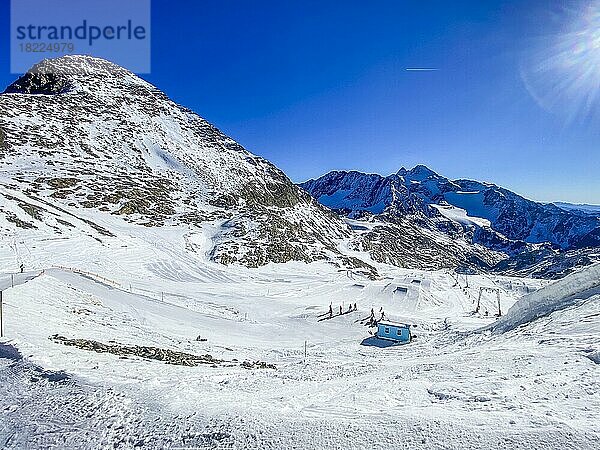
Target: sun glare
[562,72]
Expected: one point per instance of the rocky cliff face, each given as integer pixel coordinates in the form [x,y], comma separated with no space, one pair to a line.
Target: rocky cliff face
[86,136]
[415,191]
[485,223]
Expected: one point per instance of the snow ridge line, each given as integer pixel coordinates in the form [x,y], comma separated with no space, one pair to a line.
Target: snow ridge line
[154,295]
[89,274]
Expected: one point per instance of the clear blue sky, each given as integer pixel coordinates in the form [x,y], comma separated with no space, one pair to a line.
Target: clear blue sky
[315,86]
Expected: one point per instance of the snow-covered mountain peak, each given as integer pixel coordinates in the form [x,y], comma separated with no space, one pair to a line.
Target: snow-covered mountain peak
[79,65]
[418,173]
[102,141]
[477,212]
[76,74]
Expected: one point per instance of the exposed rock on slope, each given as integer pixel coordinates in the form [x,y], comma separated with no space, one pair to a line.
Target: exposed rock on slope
[82,134]
[486,224]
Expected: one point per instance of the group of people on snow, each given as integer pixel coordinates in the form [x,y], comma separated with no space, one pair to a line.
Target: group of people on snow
[372,320]
[351,308]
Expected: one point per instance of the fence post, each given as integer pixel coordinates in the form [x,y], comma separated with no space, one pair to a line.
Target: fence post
[1,323]
[499,307]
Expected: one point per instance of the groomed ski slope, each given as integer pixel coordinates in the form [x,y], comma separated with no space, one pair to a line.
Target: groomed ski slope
[531,386]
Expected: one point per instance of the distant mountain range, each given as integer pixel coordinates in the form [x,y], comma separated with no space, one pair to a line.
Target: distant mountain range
[531,236]
[588,209]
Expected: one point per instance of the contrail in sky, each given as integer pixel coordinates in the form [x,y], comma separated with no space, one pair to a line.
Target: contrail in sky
[421,69]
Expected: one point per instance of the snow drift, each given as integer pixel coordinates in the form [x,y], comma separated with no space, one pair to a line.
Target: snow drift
[575,287]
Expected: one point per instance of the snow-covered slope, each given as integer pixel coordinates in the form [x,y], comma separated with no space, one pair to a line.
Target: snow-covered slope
[580,286]
[85,365]
[82,138]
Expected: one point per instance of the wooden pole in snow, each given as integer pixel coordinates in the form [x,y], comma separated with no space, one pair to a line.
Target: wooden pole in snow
[499,308]
[1,324]
[305,352]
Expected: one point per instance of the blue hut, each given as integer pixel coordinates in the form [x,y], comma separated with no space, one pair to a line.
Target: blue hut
[392,331]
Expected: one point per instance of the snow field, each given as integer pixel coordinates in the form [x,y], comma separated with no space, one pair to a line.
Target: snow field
[534,386]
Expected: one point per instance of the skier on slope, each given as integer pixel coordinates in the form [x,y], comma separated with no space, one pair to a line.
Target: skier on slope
[341,311]
[330,311]
[22,267]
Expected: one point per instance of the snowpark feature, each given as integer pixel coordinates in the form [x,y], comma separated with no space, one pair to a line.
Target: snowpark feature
[9,280]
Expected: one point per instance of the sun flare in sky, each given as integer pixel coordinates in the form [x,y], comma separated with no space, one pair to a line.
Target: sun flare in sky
[562,73]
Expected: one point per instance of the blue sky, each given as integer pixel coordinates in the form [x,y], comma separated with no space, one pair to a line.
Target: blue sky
[315,86]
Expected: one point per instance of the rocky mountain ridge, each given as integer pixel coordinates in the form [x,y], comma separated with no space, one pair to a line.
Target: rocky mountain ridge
[525,235]
[88,137]
[88,147]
